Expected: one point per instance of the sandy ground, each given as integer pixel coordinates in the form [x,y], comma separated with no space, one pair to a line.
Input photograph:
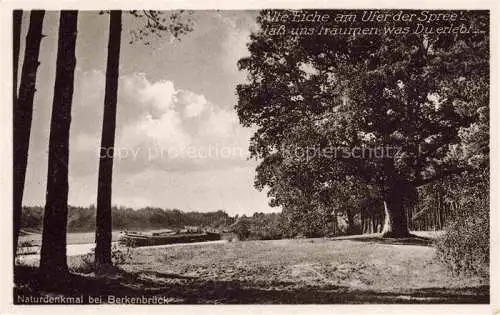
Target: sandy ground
[363,269]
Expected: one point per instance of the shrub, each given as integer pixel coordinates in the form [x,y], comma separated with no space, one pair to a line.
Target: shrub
[464,248]
[82,264]
[260,226]
[242,228]
[120,255]
[85,263]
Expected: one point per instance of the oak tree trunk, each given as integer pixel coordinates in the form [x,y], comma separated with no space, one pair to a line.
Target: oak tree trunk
[395,190]
[53,253]
[395,222]
[103,216]
[23,107]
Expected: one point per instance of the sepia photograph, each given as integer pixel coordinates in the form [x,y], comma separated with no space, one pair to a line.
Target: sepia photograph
[271,156]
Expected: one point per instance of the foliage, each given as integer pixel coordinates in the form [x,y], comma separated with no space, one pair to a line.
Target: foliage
[242,228]
[157,24]
[82,219]
[160,23]
[86,264]
[260,226]
[120,255]
[466,245]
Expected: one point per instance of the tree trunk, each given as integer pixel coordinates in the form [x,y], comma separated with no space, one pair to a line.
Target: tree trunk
[362,222]
[350,222]
[16,38]
[103,216]
[23,108]
[440,211]
[53,253]
[335,223]
[395,222]
[17,16]
[395,189]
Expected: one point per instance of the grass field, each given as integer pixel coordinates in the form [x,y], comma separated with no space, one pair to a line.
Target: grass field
[363,269]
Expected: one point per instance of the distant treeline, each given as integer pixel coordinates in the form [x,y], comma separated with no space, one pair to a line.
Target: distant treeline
[427,214]
[82,219]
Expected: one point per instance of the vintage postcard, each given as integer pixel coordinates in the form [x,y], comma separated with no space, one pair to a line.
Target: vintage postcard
[257,155]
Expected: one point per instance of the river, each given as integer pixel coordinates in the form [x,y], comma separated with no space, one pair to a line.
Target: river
[83,243]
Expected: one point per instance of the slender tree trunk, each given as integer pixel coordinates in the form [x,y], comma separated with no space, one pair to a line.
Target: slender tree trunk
[335,223]
[23,107]
[53,253]
[17,17]
[350,222]
[441,212]
[434,216]
[103,217]
[410,218]
[362,222]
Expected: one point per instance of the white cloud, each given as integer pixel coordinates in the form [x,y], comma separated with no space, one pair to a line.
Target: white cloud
[158,127]
[159,95]
[194,104]
[165,131]
[220,124]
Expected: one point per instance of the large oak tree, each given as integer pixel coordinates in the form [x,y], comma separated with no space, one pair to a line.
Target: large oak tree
[385,109]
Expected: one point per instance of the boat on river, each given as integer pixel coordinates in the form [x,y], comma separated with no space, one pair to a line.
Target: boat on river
[135,239]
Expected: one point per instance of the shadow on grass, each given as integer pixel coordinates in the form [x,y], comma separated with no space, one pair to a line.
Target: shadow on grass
[191,290]
[378,239]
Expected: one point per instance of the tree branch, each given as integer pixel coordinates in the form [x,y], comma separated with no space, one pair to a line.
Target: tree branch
[421,182]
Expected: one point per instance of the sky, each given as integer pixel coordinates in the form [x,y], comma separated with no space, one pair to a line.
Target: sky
[179,143]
